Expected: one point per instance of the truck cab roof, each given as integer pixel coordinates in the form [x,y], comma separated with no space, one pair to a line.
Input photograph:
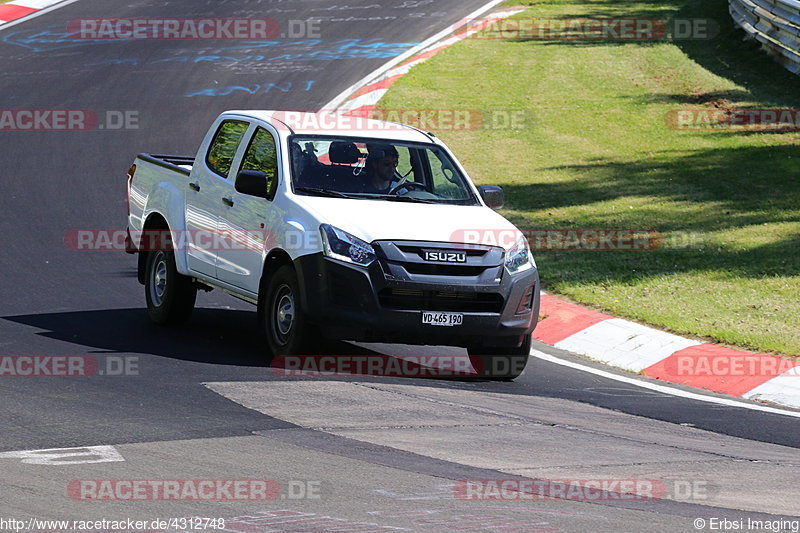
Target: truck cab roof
[335,124]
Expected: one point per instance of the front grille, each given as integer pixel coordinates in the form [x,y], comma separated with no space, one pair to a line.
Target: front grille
[417,250]
[432,269]
[419,300]
[405,261]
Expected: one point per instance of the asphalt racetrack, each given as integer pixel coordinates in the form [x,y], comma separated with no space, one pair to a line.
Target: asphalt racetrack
[199,402]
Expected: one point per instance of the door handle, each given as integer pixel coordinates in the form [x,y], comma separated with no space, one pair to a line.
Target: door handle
[194,186]
[228,201]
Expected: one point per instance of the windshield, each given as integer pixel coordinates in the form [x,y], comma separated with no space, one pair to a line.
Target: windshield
[377,169]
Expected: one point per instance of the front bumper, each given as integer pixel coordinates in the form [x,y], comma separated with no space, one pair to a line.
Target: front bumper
[349,303]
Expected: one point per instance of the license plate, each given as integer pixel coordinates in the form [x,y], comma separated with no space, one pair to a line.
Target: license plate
[442,319]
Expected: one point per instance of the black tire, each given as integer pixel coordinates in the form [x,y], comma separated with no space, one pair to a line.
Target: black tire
[170,296]
[286,327]
[501,364]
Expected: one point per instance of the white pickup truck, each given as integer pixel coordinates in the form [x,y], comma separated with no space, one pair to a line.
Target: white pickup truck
[362,230]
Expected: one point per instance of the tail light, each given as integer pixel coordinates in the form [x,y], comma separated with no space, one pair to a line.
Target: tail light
[131,172]
[129,247]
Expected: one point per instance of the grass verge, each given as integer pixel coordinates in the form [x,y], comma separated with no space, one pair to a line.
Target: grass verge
[596,152]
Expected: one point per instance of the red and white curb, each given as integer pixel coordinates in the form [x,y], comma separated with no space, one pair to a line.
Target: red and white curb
[21,8]
[667,357]
[614,341]
[18,9]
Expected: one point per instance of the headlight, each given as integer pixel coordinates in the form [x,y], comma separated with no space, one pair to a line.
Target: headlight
[340,245]
[519,258]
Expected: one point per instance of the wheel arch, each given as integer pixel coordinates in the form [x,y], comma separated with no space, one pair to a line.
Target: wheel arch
[154,221]
[274,260]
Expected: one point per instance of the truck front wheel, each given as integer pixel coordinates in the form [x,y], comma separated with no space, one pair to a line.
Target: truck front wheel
[170,296]
[502,364]
[288,331]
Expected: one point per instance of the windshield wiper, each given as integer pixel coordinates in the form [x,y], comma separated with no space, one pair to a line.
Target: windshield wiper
[337,194]
[321,192]
[393,198]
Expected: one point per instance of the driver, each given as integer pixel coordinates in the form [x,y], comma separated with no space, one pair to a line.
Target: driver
[382,160]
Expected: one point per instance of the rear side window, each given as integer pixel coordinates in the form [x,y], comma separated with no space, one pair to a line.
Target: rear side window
[262,154]
[224,146]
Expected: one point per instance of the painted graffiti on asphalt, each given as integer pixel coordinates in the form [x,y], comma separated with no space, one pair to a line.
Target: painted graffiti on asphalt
[52,38]
[255,89]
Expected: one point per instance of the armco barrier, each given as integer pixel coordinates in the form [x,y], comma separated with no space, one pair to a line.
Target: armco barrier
[775,24]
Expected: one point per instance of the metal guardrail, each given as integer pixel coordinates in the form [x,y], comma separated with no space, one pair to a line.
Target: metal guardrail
[775,24]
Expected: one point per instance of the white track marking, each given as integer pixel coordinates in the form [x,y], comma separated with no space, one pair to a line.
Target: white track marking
[662,388]
[67,456]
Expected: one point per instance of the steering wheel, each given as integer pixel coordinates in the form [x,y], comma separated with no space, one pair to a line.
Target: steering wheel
[409,185]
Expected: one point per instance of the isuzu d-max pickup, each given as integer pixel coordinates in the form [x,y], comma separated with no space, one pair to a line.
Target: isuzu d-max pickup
[339,228]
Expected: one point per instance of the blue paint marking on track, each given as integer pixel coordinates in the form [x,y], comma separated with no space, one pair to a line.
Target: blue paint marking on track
[256,89]
[47,38]
[51,38]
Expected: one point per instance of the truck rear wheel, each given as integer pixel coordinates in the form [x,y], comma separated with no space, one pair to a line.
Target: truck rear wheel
[287,329]
[170,296]
[501,364]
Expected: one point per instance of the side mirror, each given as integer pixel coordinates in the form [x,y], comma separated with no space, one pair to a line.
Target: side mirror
[492,195]
[254,183]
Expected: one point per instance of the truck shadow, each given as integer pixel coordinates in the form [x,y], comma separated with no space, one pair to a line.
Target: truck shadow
[213,336]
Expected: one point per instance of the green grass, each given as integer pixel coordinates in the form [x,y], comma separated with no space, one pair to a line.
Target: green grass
[596,152]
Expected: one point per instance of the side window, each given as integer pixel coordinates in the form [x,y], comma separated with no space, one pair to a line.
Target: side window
[444,183]
[262,155]
[224,146]
[404,167]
